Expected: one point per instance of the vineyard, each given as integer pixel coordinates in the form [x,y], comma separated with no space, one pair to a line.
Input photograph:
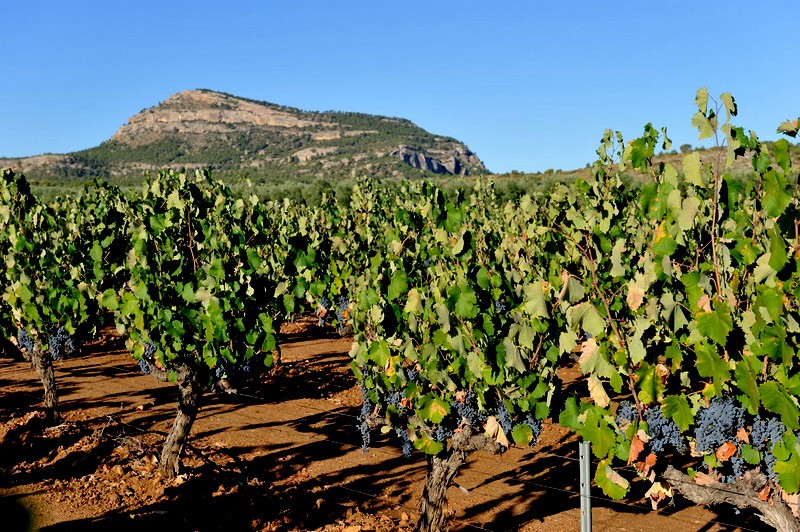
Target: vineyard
[657,320]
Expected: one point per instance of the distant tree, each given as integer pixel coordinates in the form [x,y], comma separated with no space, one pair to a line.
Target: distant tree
[686,148]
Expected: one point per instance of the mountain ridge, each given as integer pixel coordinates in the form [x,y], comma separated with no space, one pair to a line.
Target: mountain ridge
[237,136]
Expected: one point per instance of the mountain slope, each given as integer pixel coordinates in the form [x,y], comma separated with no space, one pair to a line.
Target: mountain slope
[238,136]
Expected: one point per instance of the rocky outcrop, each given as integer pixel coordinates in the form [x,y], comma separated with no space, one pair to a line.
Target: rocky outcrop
[459,161]
[206,112]
[232,136]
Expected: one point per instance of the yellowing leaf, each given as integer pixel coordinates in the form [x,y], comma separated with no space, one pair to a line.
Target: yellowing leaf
[635,296]
[495,432]
[658,492]
[597,392]
[725,451]
[414,303]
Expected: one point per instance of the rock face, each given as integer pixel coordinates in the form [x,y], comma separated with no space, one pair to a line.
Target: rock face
[237,136]
[204,113]
[417,158]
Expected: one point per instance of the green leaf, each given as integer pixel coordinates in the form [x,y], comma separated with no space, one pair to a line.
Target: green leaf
[777,400]
[398,285]
[692,170]
[379,353]
[750,454]
[611,482]
[586,316]
[710,364]
[465,302]
[649,383]
[701,100]
[513,356]
[777,251]
[703,125]
[596,430]
[434,410]
[776,197]
[522,434]
[789,473]
[108,300]
[730,105]
[676,408]
[746,373]
[428,445]
[717,324]
[569,415]
[782,155]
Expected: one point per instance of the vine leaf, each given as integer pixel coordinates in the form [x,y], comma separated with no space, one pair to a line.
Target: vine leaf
[676,408]
[612,483]
[716,325]
[789,474]
[658,492]
[435,410]
[637,446]
[495,432]
[731,108]
[692,169]
[776,199]
[777,400]
[597,392]
[710,364]
[635,296]
[398,286]
[789,127]
[428,445]
[522,434]
[704,125]
[587,317]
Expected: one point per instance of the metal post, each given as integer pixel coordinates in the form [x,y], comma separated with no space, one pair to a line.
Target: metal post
[585,461]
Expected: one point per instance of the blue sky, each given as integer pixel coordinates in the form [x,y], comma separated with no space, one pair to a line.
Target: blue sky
[526,85]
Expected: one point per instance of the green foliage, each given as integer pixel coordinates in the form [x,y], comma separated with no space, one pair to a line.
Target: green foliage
[204,280]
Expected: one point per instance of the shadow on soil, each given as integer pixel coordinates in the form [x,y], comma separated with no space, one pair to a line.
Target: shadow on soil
[275,486]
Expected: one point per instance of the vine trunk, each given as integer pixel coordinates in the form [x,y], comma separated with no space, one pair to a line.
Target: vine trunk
[189,394]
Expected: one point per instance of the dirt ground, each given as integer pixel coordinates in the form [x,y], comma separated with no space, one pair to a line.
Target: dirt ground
[282,454]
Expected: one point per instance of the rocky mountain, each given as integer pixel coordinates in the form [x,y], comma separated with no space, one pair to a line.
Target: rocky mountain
[237,136]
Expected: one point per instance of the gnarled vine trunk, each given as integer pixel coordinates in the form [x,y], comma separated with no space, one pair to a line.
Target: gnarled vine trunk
[442,470]
[190,391]
[43,364]
[743,493]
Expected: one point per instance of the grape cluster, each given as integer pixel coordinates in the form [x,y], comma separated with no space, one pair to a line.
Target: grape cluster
[662,431]
[764,435]
[412,374]
[442,432]
[326,304]
[536,427]
[736,470]
[341,305]
[718,423]
[59,343]
[25,340]
[395,399]
[500,306]
[147,357]
[626,413]
[363,415]
[504,417]
[470,410]
[407,446]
